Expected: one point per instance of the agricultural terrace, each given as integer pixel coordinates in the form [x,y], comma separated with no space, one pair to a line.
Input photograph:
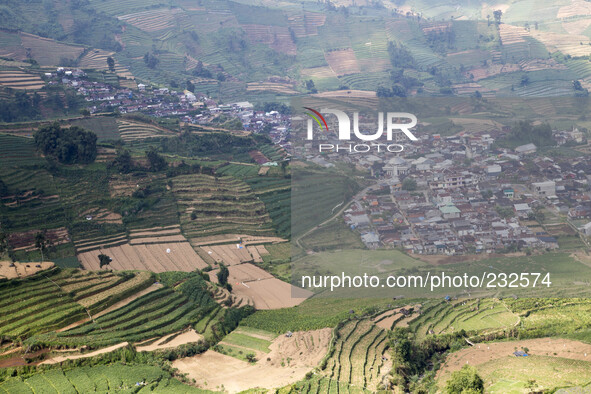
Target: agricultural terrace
[59,297]
[157,257]
[20,80]
[96,59]
[10,270]
[551,363]
[155,314]
[278,360]
[275,193]
[155,20]
[218,205]
[316,313]
[48,52]
[98,378]
[133,130]
[471,315]
[358,355]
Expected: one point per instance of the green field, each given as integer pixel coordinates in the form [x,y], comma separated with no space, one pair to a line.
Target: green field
[211,206]
[99,378]
[55,299]
[157,313]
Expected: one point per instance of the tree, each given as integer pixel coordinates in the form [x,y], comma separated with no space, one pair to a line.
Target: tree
[497,15]
[122,161]
[223,275]
[311,86]
[3,243]
[155,161]
[69,146]
[409,184]
[41,243]
[190,86]
[111,63]
[151,60]
[577,85]
[251,358]
[104,260]
[466,380]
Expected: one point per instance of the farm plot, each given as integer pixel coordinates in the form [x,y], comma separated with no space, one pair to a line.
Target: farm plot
[49,52]
[169,256]
[10,270]
[469,315]
[306,23]
[218,205]
[57,299]
[102,378]
[26,240]
[228,254]
[246,273]
[100,215]
[499,367]
[155,20]
[155,314]
[20,80]
[276,37]
[359,355]
[97,59]
[271,293]
[568,44]
[342,62]
[576,8]
[132,130]
[287,361]
[281,88]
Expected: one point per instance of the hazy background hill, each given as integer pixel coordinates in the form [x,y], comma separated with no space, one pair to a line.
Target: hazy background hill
[265,49]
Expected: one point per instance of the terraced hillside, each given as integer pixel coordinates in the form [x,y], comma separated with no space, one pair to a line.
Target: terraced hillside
[218,205]
[474,315]
[358,356]
[73,309]
[98,378]
[51,300]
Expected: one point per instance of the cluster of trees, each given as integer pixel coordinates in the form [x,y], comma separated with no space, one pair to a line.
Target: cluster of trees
[400,56]
[441,40]
[225,144]
[20,107]
[412,359]
[524,132]
[68,146]
[151,60]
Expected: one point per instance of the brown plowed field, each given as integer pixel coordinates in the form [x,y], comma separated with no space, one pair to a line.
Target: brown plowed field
[152,257]
[304,350]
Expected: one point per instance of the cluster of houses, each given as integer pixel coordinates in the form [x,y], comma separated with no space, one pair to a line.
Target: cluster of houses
[460,194]
[189,107]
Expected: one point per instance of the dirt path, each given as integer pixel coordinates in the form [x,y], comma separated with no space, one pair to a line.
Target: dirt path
[59,359]
[288,361]
[181,339]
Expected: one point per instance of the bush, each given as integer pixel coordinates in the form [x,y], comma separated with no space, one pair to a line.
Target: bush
[465,381]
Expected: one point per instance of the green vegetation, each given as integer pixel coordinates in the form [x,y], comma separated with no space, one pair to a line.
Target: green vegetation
[54,299]
[211,205]
[313,314]
[465,380]
[99,378]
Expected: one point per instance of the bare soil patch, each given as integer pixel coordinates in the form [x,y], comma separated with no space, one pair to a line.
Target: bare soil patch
[342,62]
[10,270]
[298,354]
[59,359]
[180,339]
